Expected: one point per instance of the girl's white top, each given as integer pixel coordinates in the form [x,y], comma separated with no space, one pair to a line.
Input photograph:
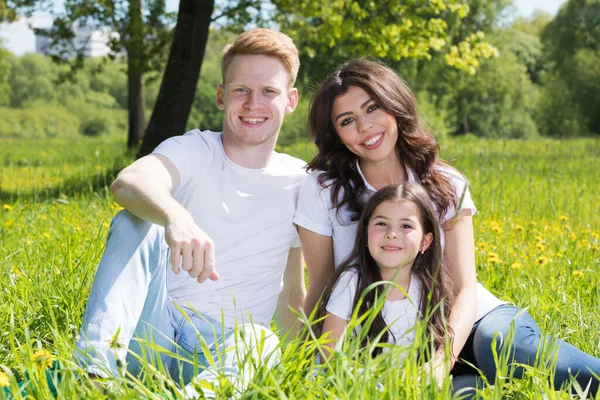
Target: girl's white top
[400,315]
[316,213]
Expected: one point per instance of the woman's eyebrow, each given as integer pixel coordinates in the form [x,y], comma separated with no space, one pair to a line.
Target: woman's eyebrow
[363,105]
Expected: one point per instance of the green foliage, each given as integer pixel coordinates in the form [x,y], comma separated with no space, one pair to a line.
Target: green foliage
[330,32]
[38,123]
[5,66]
[572,43]
[558,113]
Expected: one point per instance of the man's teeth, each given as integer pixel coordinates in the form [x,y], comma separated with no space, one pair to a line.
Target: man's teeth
[253,120]
[372,141]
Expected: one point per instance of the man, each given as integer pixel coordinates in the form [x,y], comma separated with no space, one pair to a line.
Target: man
[226,202]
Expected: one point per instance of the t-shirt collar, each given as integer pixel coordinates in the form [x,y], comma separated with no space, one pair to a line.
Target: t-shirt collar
[412,178]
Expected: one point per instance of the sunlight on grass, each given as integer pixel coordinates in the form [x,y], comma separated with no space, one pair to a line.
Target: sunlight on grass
[537,234]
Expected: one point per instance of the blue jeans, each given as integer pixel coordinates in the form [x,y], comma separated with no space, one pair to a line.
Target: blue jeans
[570,361]
[129,300]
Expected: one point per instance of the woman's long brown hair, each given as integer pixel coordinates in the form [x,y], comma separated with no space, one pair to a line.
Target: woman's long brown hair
[436,292]
[416,147]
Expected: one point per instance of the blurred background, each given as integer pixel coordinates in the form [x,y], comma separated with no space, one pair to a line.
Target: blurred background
[488,68]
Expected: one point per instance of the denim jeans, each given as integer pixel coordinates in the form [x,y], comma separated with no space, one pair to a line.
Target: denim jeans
[129,300]
[528,347]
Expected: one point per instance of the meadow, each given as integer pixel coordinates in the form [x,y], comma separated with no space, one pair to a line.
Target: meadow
[537,235]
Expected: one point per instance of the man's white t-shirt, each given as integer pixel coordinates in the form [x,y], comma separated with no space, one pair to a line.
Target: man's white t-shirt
[316,213]
[248,214]
[399,315]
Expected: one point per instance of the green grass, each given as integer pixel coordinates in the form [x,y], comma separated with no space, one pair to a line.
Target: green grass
[537,240]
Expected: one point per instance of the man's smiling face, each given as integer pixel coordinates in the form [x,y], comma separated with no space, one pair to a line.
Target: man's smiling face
[255,97]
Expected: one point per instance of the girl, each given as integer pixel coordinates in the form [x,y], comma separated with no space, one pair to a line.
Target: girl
[365,123]
[397,240]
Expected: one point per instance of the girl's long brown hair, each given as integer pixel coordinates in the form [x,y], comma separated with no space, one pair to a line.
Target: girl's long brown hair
[416,147]
[436,292]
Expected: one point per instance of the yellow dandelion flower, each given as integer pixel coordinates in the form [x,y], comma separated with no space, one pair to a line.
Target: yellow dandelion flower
[46,235]
[516,265]
[542,260]
[573,236]
[577,274]
[540,246]
[519,228]
[7,207]
[44,358]
[496,228]
[585,242]
[43,216]
[491,254]
[9,223]
[539,239]
[559,254]
[480,245]
[4,381]
[493,260]
[595,235]
[563,218]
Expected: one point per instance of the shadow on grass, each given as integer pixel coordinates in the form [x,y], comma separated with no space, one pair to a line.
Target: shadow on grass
[73,187]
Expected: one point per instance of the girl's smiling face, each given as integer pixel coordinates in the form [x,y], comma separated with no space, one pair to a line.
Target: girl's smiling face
[395,234]
[363,127]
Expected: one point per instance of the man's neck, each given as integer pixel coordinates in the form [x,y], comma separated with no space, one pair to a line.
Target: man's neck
[254,157]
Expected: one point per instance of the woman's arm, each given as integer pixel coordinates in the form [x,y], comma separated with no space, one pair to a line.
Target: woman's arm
[459,255]
[318,255]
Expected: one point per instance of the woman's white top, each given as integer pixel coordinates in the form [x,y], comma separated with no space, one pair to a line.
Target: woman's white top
[316,213]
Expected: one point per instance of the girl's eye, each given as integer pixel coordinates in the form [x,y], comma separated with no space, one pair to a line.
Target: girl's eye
[269,91]
[346,121]
[406,226]
[380,223]
[373,107]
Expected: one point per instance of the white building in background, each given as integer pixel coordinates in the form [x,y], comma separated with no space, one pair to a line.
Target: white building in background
[92,42]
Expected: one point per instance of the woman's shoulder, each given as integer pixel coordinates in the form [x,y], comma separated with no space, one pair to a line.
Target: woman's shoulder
[450,172]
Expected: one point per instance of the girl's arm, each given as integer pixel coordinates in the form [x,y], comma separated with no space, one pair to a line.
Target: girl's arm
[459,255]
[333,329]
[318,255]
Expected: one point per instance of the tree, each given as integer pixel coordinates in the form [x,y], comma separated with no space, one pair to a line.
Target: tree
[572,44]
[328,33]
[180,79]
[138,29]
[11,9]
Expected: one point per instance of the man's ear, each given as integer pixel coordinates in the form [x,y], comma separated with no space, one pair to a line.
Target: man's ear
[426,242]
[292,98]
[220,94]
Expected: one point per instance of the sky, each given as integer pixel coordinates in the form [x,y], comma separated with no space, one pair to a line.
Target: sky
[19,38]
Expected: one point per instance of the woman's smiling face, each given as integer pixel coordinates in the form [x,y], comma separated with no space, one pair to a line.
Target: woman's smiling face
[363,127]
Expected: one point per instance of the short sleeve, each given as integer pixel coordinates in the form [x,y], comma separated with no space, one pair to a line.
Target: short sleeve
[342,297]
[190,153]
[296,242]
[464,202]
[313,208]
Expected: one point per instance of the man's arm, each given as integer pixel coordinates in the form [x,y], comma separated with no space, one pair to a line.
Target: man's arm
[144,189]
[292,295]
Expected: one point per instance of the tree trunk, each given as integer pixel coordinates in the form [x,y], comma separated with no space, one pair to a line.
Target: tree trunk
[135,105]
[178,86]
[135,84]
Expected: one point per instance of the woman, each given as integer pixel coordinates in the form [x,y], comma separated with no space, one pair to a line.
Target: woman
[365,123]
